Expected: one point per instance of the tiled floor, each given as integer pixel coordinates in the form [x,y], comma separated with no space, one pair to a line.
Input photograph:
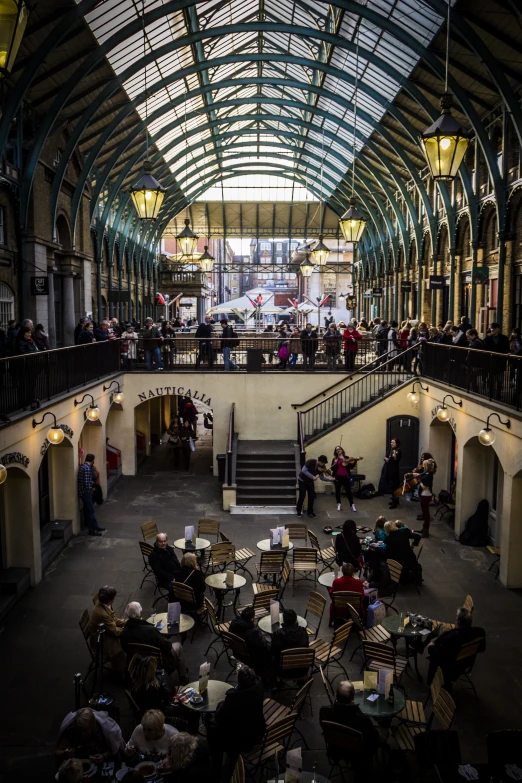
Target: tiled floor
[42,647]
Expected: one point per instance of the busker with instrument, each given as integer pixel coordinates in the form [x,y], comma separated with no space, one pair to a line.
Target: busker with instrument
[426,484]
[323,471]
[390,476]
[340,467]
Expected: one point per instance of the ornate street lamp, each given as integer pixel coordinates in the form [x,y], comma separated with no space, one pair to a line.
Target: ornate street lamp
[206,261]
[352,223]
[306,267]
[187,239]
[320,253]
[147,194]
[55,434]
[13,20]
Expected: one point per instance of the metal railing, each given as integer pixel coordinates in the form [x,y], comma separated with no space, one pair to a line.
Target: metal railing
[347,402]
[230,446]
[493,376]
[38,377]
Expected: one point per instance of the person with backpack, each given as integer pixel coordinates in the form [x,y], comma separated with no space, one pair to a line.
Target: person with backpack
[283,349]
[229,340]
[152,340]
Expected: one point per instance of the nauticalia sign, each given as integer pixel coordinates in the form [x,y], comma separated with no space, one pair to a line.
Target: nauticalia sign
[161,390]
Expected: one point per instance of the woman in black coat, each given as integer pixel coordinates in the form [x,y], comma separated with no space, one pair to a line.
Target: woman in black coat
[398,548]
[347,545]
[190,575]
[390,476]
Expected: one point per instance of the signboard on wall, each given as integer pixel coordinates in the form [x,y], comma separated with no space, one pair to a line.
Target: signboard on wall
[437,281]
[39,286]
[406,286]
[118,296]
[377,291]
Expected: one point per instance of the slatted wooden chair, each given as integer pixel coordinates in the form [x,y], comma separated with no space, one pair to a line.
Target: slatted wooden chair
[295,663]
[375,634]
[297,532]
[134,707]
[274,711]
[327,687]
[146,550]
[221,555]
[241,558]
[304,564]
[379,656]
[330,652]
[185,595]
[314,613]
[216,627]
[325,556]
[276,739]
[143,650]
[443,710]
[84,622]
[395,574]
[342,744]
[342,600]
[261,603]
[149,530]
[208,527]
[236,649]
[285,578]
[271,565]
[468,604]
[466,658]
[238,775]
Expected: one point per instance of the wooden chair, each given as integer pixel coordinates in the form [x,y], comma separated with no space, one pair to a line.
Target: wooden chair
[327,687]
[467,657]
[149,530]
[304,562]
[495,550]
[379,656]
[295,663]
[375,634]
[84,622]
[271,564]
[326,556]
[395,574]
[241,558]
[297,532]
[274,711]
[276,739]
[342,744]
[329,653]
[443,710]
[208,527]
[235,648]
[144,650]
[261,603]
[238,775]
[285,578]
[134,707]
[216,627]
[468,604]
[314,608]
[146,550]
[185,595]
[342,600]
[221,555]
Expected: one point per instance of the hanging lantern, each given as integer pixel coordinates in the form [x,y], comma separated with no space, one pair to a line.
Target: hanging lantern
[445,143]
[92,413]
[206,261]
[119,397]
[320,253]
[188,240]
[55,435]
[443,414]
[352,223]
[3,473]
[306,267]
[147,194]
[13,20]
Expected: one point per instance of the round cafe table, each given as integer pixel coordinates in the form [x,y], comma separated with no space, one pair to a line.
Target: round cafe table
[218,583]
[187,546]
[186,623]
[215,693]
[415,640]
[327,578]
[265,546]
[266,625]
[380,709]
[306,777]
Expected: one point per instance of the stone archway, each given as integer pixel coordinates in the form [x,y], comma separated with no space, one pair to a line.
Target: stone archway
[485,473]
[16,520]
[443,447]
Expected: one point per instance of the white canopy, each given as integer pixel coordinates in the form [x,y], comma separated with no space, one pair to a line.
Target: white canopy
[243,305]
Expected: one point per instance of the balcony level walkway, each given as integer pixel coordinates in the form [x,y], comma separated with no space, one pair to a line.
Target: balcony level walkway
[42,647]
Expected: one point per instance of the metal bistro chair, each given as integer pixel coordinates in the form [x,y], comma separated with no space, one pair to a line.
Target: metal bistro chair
[274,711]
[143,650]
[185,595]
[297,532]
[238,775]
[242,557]
[261,603]
[379,656]
[375,634]
[221,555]
[271,565]
[236,649]
[295,664]
[304,562]
[395,573]
[326,556]
[208,527]
[327,687]
[216,627]
[149,530]
[276,739]
[342,744]
[467,657]
[342,600]
[146,550]
[314,607]
[330,653]
[443,709]
[84,622]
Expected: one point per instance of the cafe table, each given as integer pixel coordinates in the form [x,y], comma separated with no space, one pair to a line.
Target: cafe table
[327,578]
[265,623]
[306,777]
[380,709]
[188,546]
[416,638]
[218,583]
[186,623]
[266,546]
[215,693]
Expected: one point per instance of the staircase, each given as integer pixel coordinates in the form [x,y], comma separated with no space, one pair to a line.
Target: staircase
[343,405]
[265,478]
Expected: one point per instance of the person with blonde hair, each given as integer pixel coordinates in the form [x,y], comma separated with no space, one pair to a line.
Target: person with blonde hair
[150,739]
[71,771]
[188,759]
[379,533]
[190,574]
[151,687]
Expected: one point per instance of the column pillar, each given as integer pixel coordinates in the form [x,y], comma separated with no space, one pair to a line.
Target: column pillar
[68,310]
[451,302]
[501,271]
[473,315]
[51,315]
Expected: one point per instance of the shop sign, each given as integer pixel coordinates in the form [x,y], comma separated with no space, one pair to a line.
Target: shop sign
[39,286]
[437,281]
[351,303]
[180,390]
[377,291]
[15,458]
[405,286]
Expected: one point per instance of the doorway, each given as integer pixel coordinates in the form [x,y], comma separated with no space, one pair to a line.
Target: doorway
[44,492]
[406,429]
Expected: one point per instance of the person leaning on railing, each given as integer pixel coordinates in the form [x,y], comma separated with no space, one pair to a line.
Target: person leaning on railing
[309,345]
[129,347]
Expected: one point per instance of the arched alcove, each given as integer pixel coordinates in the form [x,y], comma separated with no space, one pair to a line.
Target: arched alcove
[443,447]
[485,473]
[16,517]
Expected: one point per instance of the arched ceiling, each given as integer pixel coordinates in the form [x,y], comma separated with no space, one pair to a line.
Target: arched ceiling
[259,86]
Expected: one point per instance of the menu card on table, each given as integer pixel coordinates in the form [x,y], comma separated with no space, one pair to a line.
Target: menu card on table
[385,681]
[274,612]
[173,612]
[189,532]
[229,578]
[294,766]
[204,671]
[370,681]
[275,536]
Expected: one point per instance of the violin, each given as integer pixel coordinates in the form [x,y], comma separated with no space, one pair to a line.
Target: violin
[352,461]
[409,484]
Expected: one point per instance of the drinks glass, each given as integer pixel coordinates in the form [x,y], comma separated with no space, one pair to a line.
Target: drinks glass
[153,615]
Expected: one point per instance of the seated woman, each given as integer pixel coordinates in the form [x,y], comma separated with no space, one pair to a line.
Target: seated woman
[350,584]
[380,579]
[104,613]
[88,734]
[187,760]
[150,739]
[398,548]
[151,687]
[347,545]
[190,575]
[379,532]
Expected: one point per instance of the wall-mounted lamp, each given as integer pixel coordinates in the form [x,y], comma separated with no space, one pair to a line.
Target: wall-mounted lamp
[486,436]
[412,396]
[55,435]
[443,414]
[3,473]
[118,395]
[93,412]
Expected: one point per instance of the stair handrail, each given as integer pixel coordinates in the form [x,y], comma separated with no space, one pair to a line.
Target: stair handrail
[300,438]
[230,471]
[345,378]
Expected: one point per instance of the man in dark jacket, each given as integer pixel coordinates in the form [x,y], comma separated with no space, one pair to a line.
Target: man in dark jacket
[204,332]
[444,650]
[309,344]
[163,561]
[228,342]
[139,631]
[101,333]
[495,341]
[258,648]
[289,636]
[347,713]
[80,326]
[152,340]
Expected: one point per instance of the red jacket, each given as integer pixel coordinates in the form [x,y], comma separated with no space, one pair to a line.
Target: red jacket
[350,340]
[348,584]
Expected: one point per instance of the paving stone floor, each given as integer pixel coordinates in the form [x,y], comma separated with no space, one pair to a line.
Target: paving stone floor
[41,646]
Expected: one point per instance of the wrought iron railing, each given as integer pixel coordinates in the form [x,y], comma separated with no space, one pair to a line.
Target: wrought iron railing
[230,447]
[493,376]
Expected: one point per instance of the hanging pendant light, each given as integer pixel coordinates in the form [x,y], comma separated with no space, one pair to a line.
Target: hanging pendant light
[320,253]
[13,21]
[188,240]
[445,142]
[206,261]
[147,194]
[352,223]
[306,267]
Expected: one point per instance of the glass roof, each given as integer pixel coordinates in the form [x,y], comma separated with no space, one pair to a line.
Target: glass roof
[292,108]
